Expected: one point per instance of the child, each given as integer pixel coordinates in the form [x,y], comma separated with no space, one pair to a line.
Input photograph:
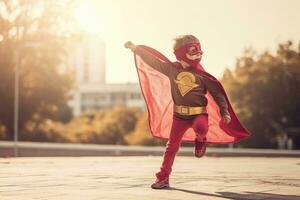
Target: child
[184,102]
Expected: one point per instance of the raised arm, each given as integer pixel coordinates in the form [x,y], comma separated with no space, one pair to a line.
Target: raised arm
[151,60]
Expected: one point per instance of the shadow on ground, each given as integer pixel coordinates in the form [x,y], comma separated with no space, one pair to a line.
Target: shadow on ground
[239,196]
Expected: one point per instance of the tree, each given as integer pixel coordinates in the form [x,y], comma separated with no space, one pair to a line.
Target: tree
[44,79]
[105,126]
[264,90]
[116,124]
[141,134]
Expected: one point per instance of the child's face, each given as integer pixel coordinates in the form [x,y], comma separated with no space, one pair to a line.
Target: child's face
[190,53]
[194,57]
[194,52]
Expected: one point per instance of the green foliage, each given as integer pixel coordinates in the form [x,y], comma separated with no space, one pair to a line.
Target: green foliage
[115,125]
[110,126]
[264,90]
[31,34]
[2,132]
[142,135]
[118,125]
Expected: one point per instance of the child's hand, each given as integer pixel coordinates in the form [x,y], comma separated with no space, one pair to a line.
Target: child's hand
[130,45]
[226,119]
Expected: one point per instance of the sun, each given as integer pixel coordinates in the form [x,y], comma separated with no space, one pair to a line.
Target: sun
[88,18]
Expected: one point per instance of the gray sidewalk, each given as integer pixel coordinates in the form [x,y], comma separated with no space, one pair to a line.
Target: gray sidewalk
[91,178]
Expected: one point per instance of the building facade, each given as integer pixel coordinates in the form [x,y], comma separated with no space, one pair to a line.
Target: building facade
[91,97]
[92,92]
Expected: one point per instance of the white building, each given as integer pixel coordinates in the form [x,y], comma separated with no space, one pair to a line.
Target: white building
[90,97]
[92,92]
[88,59]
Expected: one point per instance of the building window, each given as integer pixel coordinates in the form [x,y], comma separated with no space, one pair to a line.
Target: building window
[100,97]
[135,95]
[118,96]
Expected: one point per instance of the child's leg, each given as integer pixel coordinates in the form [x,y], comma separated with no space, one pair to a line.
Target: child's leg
[173,145]
[200,126]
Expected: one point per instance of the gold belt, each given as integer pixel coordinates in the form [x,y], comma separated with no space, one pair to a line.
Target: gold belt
[187,110]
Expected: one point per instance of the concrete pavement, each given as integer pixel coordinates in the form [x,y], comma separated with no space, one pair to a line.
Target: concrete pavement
[91,178]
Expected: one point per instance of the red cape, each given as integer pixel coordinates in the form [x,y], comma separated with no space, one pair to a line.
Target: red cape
[156,90]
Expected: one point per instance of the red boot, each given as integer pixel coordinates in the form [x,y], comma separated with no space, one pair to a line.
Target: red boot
[161,183]
[200,148]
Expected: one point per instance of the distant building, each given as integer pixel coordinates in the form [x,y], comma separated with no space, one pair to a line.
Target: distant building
[90,97]
[88,58]
[92,92]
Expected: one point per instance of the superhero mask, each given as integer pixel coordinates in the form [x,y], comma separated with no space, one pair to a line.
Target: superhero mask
[187,52]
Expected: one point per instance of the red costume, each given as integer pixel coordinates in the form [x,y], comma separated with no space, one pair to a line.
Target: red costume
[165,83]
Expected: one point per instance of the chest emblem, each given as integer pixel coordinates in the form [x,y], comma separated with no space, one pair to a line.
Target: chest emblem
[185,81]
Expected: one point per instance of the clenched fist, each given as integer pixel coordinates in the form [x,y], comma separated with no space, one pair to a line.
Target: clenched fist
[226,119]
[130,45]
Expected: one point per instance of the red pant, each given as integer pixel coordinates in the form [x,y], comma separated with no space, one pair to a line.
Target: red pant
[200,126]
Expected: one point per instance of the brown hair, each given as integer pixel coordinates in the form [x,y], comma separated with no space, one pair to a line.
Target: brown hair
[182,40]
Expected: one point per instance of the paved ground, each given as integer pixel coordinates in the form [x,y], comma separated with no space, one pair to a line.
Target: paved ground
[91,178]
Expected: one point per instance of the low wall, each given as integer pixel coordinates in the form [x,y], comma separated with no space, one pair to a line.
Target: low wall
[66,149]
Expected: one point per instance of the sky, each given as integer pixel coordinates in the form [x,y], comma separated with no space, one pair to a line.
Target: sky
[224,27]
